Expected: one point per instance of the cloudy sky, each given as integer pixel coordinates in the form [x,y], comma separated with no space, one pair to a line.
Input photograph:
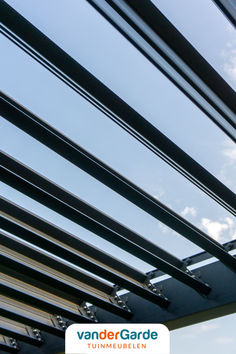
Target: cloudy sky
[86,36]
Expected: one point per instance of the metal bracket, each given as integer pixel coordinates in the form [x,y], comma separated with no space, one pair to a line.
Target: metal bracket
[151,287]
[116,299]
[60,322]
[36,333]
[86,311]
[12,342]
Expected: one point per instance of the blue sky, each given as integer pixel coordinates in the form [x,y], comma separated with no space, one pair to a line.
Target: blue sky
[86,36]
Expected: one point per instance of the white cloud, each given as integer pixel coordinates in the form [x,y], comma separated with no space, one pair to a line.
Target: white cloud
[163,228]
[159,192]
[206,327]
[217,229]
[228,169]
[225,340]
[230,151]
[189,211]
[229,28]
[201,328]
[229,55]
[230,64]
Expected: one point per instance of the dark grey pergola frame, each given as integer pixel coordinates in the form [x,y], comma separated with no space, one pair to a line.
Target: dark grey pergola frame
[29,258]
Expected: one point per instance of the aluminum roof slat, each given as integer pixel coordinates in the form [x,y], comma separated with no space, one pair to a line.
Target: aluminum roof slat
[228,8]
[155,36]
[56,198]
[15,316]
[18,331]
[35,299]
[39,255]
[78,78]
[74,153]
[74,258]
[53,233]
[44,191]
[43,280]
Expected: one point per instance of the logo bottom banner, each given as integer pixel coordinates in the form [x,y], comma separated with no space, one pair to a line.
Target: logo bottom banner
[117,339]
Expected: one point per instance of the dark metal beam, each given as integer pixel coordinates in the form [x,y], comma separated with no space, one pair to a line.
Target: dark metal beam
[56,198]
[63,252]
[44,191]
[228,7]
[74,153]
[150,31]
[79,79]
[31,272]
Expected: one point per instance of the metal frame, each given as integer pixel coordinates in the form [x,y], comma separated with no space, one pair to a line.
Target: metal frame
[31,272]
[28,319]
[44,191]
[187,307]
[28,251]
[110,268]
[56,198]
[36,44]
[45,301]
[41,273]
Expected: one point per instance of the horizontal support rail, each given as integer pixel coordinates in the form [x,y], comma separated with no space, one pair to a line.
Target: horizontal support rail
[186,307]
[78,78]
[56,198]
[23,268]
